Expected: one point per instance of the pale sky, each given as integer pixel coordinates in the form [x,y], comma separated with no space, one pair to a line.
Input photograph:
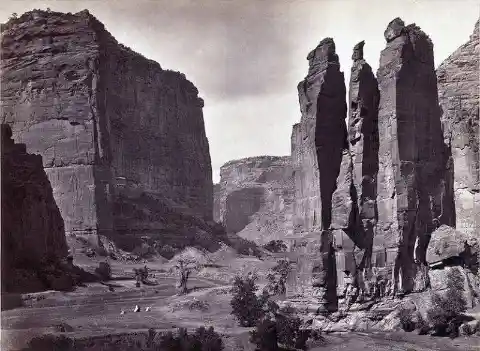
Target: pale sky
[246,57]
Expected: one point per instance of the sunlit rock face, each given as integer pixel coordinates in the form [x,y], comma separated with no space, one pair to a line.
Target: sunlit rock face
[123,140]
[459,96]
[255,197]
[414,193]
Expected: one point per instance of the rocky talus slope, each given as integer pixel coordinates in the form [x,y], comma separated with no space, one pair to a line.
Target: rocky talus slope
[122,139]
[33,234]
[255,196]
[459,97]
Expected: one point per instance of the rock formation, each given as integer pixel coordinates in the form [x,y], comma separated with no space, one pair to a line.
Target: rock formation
[33,234]
[354,201]
[318,142]
[414,194]
[459,96]
[122,140]
[255,198]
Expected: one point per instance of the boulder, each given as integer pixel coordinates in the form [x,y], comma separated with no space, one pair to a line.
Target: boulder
[448,243]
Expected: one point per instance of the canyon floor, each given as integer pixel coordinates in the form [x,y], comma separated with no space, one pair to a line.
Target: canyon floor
[93,310]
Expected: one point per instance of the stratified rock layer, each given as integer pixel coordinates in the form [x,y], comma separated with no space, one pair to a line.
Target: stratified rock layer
[122,140]
[414,195]
[33,234]
[459,96]
[255,197]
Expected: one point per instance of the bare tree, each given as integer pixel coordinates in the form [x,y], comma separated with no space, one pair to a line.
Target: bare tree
[185,266]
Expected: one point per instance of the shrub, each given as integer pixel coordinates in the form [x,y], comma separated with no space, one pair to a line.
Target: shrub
[289,330]
[49,342]
[446,312]
[277,278]
[104,270]
[202,340]
[275,246]
[264,337]
[422,325]
[284,329]
[406,319]
[246,306]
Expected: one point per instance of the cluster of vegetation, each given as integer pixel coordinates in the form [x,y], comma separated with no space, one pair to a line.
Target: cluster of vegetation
[49,342]
[104,271]
[275,246]
[202,340]
[275,328]
[446,313]
[277,278]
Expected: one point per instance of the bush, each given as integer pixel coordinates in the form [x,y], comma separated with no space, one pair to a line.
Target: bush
[246,306]
[406,319]
[284,329]
[422,325]
[104,270]
[275,246]
[49,342]
[265,336]
[277,278]
[289,330]
[446,313]
[202,340]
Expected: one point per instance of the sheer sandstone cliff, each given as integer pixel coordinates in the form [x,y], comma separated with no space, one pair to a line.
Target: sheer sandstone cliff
[459,96]
[318,145]
[122,140]
[414,195]
[255,197]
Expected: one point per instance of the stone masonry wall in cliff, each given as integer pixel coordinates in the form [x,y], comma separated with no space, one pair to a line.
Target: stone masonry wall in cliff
[413,196]
[32,227]
[123,140]
[256,196]
[459,96]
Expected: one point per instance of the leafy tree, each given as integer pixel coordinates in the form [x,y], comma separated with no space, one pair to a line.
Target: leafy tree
[246,306]
[446,313]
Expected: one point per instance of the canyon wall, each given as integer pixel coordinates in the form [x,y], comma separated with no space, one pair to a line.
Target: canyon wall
[255,198]
[414,196]
[33,234]
[459,96]
[123,140]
